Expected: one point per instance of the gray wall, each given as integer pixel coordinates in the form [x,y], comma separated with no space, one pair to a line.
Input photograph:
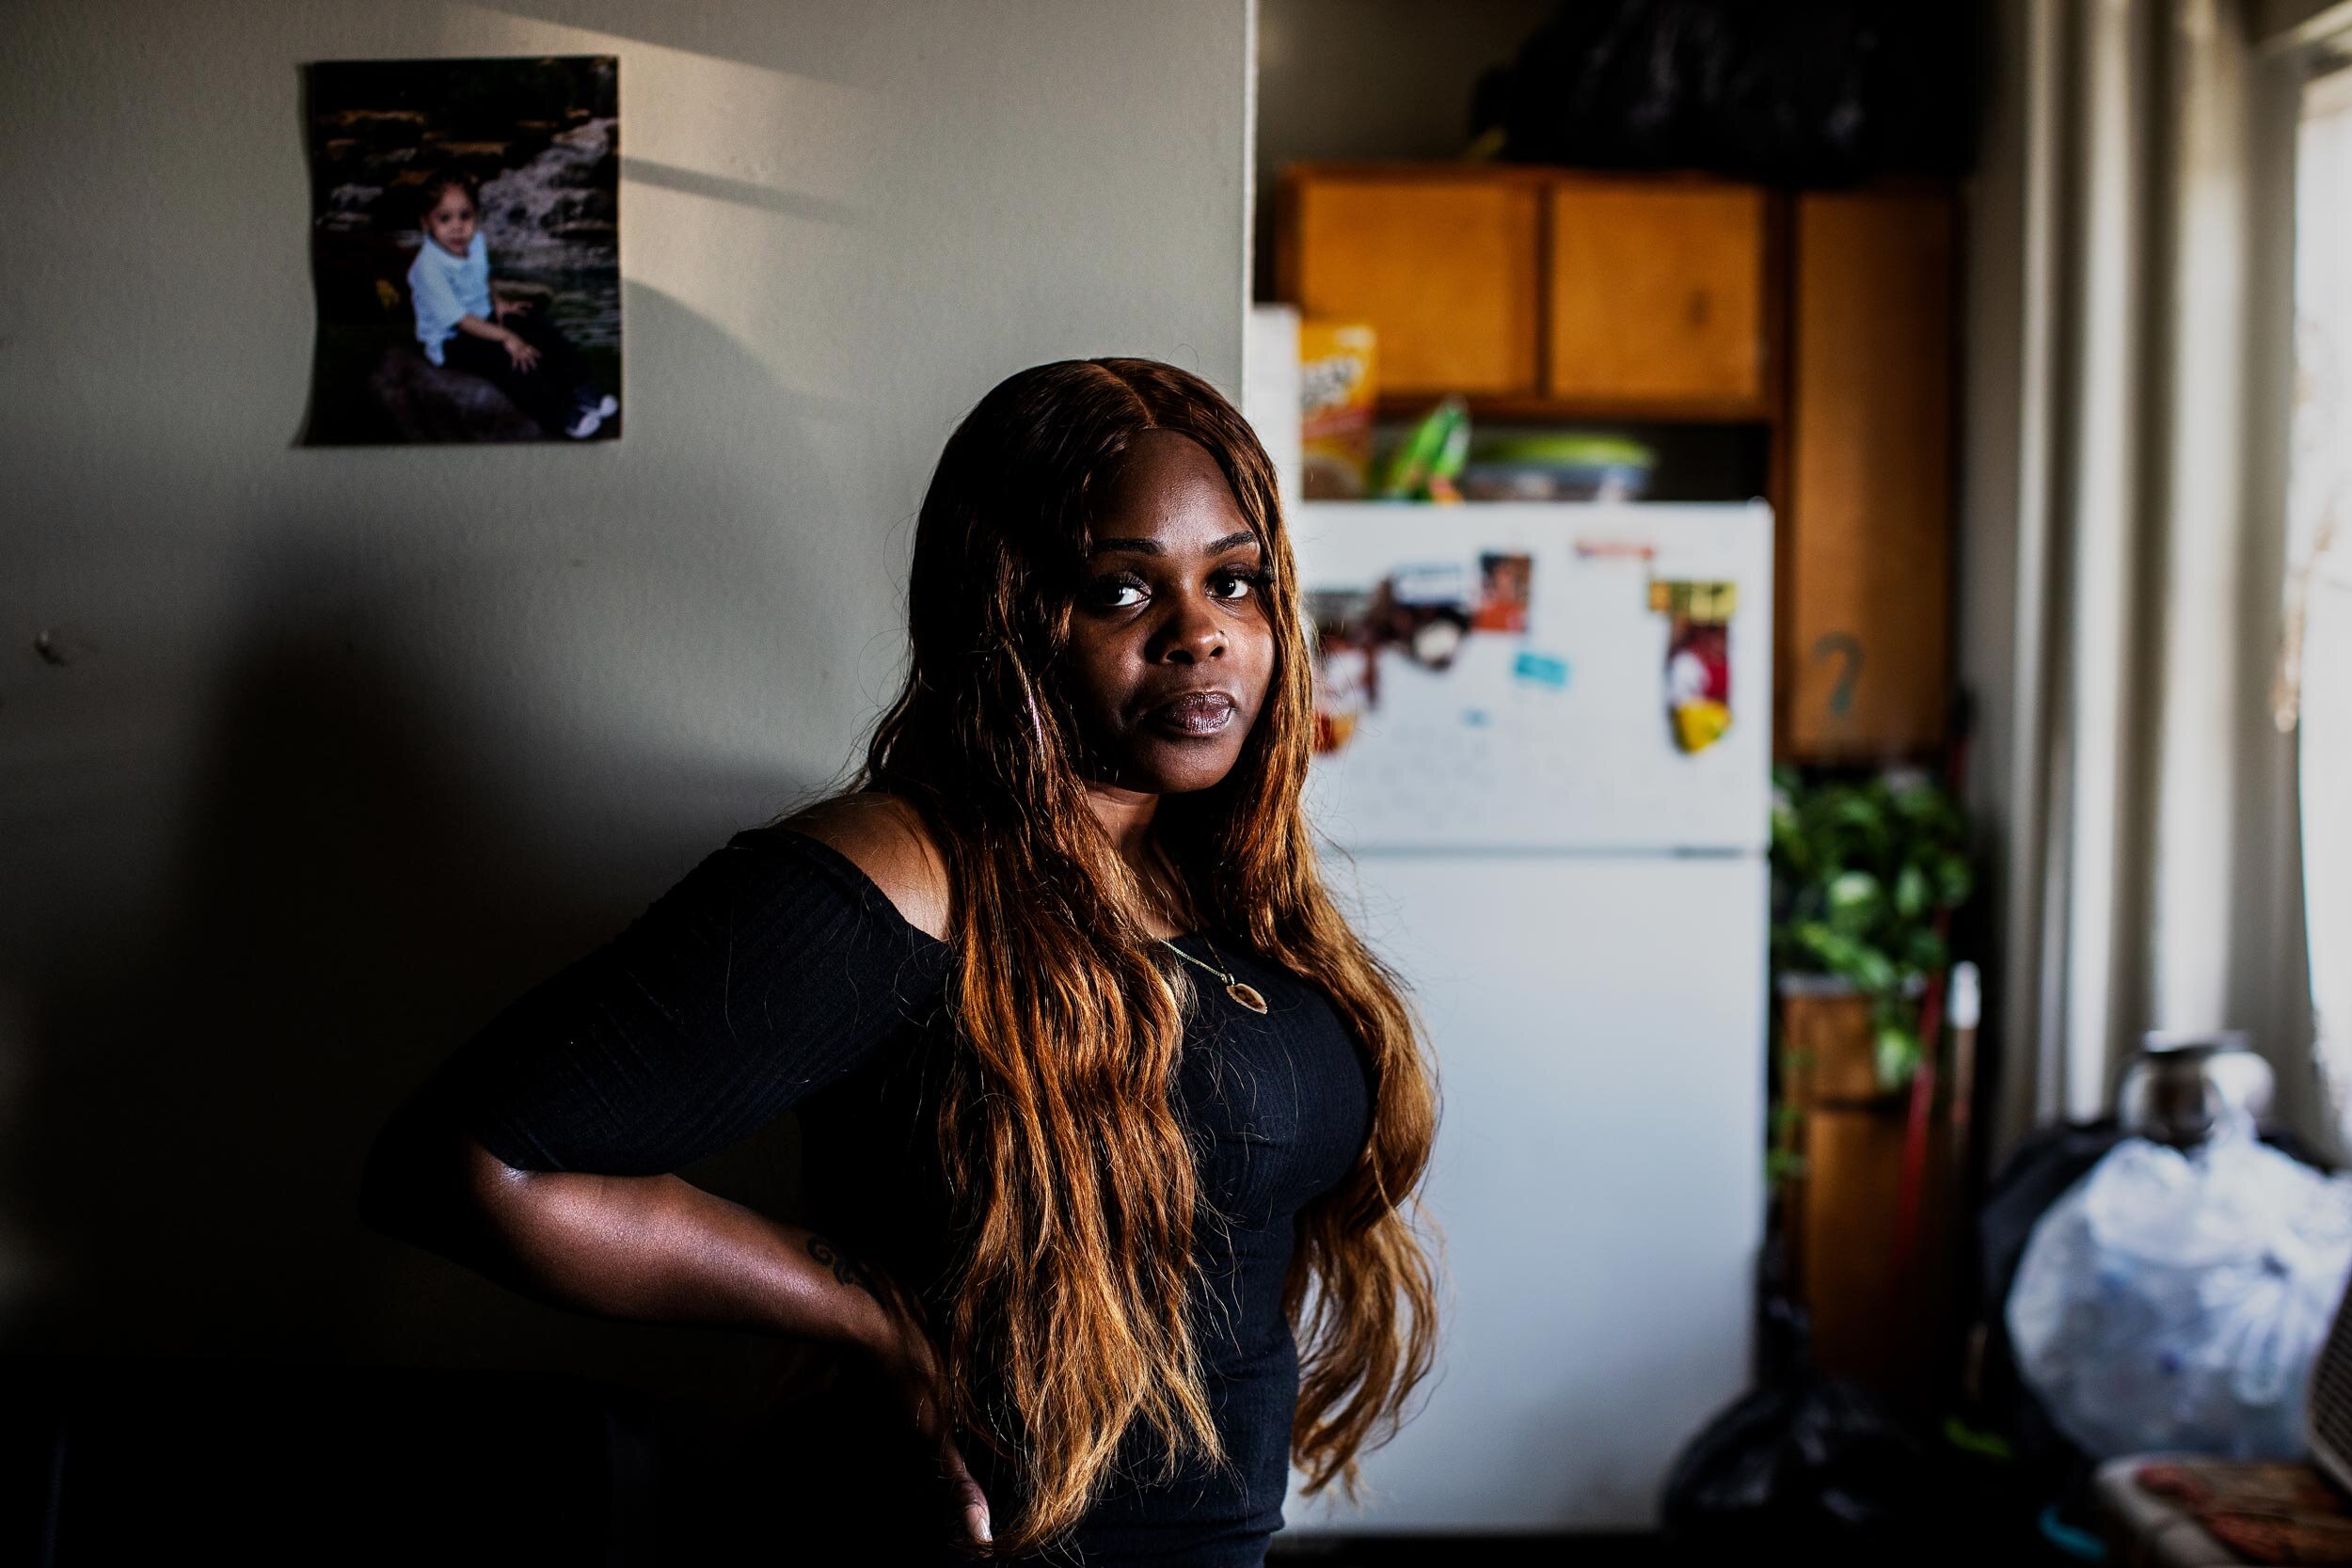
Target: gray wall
[352,744]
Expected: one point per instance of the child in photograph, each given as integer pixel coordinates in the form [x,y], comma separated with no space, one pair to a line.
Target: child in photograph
[464,325]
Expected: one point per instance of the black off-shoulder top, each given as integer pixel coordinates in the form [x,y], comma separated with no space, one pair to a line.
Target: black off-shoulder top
[777,976]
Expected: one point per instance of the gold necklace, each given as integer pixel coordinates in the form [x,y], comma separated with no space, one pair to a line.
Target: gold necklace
[1240,991]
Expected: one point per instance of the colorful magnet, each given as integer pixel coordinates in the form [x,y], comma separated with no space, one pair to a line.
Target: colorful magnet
[1614,550]
[1698,658]
[1505,582]
[1541,669]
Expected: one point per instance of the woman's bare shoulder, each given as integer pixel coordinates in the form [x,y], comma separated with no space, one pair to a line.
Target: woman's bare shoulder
[887,839]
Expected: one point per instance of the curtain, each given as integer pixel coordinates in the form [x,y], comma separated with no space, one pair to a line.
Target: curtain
[2123,551]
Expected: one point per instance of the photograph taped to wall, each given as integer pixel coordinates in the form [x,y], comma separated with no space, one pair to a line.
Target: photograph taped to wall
[464,248]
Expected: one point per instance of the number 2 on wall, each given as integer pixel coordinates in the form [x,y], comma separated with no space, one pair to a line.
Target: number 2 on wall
[1841,645]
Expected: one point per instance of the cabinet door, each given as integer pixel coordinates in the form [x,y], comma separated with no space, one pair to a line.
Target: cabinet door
[1657,295]
[1872,1323]
[1445,270]
[1864,623]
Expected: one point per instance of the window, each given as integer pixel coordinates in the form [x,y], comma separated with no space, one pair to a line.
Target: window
[2317,686]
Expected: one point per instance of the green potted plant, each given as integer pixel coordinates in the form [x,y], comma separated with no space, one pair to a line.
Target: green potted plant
[1867,869]
[1864,870]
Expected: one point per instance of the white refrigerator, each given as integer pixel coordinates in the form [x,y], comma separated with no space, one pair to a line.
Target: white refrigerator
[1571,874]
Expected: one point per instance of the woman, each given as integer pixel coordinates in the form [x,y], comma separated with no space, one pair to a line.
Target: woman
[1107,1114]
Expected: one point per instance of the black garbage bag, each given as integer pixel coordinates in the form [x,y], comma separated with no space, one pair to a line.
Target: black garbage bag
[1806,1463]
[1790,92]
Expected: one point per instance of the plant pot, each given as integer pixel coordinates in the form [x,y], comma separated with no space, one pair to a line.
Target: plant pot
[1828,1043]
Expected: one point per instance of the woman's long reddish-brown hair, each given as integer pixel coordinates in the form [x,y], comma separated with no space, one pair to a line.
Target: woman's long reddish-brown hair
[1072,1178]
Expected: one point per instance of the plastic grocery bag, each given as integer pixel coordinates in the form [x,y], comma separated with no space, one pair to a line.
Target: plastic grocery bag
[2172,1301]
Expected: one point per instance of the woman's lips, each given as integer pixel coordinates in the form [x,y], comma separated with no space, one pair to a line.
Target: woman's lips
[1197,713]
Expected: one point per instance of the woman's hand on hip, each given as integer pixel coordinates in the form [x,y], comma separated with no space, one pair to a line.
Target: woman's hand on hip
[911,1364]
[521,352]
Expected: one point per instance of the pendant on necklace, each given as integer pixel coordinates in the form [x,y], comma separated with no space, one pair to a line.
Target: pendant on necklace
[1241,990]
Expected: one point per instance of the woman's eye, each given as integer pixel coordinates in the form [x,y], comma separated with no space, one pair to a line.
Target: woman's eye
[1126,591]
[1118,593]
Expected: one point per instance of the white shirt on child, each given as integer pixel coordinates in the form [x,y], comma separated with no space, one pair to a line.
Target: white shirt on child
[445,289]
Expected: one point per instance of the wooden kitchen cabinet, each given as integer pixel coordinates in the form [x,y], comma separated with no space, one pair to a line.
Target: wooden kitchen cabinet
[1657,297]
[1447,270]
[1542,294]
[1878,1327]
[1879,1318]
[1822,320]
[1865,627]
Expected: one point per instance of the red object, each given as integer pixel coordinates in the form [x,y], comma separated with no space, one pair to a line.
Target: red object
[1921,1123]
[1922,1119]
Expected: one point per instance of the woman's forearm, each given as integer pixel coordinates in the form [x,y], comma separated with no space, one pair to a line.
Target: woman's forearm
[649,1248]
[657,1248]
[474,326]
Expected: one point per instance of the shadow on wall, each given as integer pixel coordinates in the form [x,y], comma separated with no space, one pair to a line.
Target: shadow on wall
[382,843]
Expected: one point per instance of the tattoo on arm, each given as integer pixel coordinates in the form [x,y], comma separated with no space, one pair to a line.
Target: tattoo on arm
[844,1268]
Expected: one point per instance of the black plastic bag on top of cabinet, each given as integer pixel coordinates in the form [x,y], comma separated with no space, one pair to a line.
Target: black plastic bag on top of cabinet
[1788,92]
